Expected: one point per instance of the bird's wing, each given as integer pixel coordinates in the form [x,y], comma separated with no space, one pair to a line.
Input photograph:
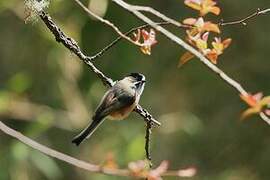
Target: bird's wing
[115,99]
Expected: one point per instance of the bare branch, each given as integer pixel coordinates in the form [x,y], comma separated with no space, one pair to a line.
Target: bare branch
[147,142]
[135,10]
[60,156]
[73,161]
[243,21]
[265,117]
[72,45]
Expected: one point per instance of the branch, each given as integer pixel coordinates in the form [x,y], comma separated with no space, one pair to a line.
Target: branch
[79,163]
[108,23]
[119,38]
[183,44]
[167,21]
[158,14]
[147,143]
[58,155]
[72,45]
[231,82]
[244,20]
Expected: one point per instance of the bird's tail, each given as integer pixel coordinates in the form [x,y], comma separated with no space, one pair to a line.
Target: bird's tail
[88,131]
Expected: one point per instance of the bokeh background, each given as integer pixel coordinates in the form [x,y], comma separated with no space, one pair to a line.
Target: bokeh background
[49,95]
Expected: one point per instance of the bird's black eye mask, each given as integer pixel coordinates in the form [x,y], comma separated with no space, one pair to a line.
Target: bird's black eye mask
[139,84]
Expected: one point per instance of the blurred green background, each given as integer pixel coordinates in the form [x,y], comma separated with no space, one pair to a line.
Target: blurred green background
[48,95]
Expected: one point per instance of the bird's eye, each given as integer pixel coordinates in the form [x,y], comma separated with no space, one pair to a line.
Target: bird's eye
[137,84]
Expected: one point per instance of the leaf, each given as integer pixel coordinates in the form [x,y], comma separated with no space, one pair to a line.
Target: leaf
[190,21]
[257,104]
[249,112]
[200,26]
[265,101]
[208,26]
[212,56]
[219,46]
[203,6]
[250,99]
[227,42]
[193,5]
[146,50]
[149,39]
[187,56]
[215,10]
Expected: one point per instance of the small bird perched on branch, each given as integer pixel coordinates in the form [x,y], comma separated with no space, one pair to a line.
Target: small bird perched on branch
[117,103]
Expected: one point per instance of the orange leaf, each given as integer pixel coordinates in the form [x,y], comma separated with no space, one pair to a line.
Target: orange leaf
[193,5]
[187,56]
[208,26]
[146,50]
[204,6]
[215,10]
[213,56]
[190,21]
[256,102]
[227,42]
[249,112]
[265,101]
[251,100]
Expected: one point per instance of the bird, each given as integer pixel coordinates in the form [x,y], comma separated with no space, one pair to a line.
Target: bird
[116,104]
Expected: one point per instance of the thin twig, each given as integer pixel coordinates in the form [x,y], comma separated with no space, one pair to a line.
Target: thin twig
[243,21]
[72,45]
[108,23]
[147,143]
[167,21]
[135,10]
[118,39]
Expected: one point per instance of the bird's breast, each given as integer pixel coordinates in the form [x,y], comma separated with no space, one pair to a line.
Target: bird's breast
[122,113]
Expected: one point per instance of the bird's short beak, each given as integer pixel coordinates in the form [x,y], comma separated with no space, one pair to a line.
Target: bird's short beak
[143,81]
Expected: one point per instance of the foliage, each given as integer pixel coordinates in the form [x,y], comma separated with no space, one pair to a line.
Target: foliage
[56,95]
